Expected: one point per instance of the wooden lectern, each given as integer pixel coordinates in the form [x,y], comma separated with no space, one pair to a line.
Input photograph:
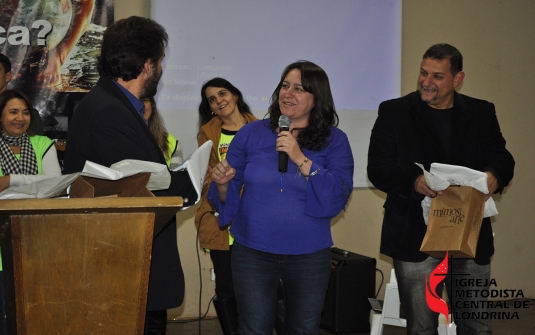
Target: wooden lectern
[79,266]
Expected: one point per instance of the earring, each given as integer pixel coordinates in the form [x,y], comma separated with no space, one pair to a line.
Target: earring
[214,113]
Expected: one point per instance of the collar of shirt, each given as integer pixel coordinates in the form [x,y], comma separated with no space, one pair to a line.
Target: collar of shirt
[138,104]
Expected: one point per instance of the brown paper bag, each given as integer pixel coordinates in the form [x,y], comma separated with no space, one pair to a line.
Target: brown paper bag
[455,219]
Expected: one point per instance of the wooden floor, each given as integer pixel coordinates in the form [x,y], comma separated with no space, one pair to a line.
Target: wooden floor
[524,325]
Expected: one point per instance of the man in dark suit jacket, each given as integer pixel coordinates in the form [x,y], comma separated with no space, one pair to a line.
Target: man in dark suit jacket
[434,124]
[108,126]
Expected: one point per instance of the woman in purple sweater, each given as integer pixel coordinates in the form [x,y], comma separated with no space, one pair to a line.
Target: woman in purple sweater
[281,222]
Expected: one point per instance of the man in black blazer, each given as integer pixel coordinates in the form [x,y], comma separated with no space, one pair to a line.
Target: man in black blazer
[108,126]
[434,124]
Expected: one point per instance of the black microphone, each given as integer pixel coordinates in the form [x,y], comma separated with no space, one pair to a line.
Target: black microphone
[284,125]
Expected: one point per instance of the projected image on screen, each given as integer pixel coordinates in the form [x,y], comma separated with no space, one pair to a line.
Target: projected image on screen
[250,42]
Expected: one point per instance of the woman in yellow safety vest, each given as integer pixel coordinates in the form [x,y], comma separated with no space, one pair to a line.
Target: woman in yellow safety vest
[171,148]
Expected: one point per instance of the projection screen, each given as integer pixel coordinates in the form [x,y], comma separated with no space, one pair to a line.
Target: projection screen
[249,42]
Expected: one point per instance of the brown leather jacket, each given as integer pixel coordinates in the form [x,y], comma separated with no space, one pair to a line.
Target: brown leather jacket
[211,236]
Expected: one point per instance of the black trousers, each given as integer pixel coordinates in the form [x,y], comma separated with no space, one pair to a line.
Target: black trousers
[3,323]
[156,322]
[224,287]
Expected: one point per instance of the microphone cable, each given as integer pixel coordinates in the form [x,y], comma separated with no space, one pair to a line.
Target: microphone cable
[214,213]
[382,280]
[201,316]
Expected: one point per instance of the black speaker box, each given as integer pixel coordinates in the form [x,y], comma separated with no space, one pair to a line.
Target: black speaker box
[352,282]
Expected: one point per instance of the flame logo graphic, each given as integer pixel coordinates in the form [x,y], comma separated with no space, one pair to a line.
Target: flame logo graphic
[435,303]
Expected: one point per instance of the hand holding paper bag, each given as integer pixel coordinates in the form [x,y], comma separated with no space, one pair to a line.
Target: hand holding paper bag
[457,213]
[440,176]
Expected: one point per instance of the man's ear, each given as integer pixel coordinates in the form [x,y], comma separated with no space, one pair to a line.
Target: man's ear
[9,76]
[147,68]
[458,79]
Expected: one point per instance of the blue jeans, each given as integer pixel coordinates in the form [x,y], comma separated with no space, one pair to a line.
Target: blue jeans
[421,320]
[257,275]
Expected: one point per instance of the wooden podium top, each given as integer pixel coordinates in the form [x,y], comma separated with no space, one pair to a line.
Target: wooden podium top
[163,207]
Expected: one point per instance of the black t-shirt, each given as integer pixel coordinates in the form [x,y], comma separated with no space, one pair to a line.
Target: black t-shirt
[443,121]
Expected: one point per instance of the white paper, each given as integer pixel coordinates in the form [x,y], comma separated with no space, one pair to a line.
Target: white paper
[196,164]
[440,176]
[160,179]
[47,188]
